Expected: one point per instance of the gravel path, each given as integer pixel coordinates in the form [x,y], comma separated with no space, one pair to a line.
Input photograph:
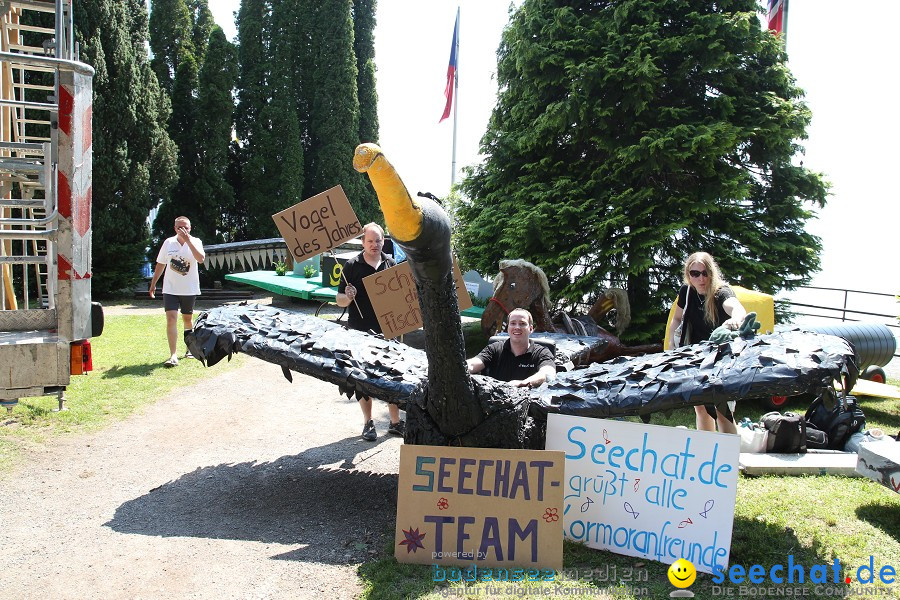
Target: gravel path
[241,486]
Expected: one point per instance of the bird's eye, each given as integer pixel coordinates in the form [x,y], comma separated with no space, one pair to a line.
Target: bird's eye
[512,285]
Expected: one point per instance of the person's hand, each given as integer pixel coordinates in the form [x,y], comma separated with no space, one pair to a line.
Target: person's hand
[152,290]
[733,324]
[183,235]
[350,292]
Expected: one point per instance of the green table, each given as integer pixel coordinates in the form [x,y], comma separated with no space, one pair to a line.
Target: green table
[290,284]
[306,288]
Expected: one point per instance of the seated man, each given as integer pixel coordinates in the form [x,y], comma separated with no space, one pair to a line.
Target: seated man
[517,360]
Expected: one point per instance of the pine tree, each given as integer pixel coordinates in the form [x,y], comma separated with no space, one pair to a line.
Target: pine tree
[629,134]
[133,157]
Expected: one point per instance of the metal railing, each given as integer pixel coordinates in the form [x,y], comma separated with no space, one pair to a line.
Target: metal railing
[843,313]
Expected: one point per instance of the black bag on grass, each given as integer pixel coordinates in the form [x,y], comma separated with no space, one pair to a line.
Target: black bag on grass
[787,432]
[816,439]
[839,423]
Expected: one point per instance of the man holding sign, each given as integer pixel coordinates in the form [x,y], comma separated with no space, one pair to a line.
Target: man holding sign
[362,316]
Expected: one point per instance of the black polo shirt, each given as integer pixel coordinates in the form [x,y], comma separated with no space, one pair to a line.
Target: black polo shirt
[502,364]
[354,270]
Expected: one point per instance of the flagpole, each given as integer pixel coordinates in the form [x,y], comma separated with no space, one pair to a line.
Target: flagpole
[784,19]
[455,104]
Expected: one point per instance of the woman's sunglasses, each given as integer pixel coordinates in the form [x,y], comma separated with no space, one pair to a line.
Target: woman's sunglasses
[704,273]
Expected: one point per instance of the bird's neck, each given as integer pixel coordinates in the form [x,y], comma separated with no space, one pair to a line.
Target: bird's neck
[458,411]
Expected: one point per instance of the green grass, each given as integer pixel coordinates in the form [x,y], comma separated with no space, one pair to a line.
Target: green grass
[128,375]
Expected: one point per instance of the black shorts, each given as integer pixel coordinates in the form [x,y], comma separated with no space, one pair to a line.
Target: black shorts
[173,302]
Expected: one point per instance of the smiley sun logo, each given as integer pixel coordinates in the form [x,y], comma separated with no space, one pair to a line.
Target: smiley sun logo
[413,539]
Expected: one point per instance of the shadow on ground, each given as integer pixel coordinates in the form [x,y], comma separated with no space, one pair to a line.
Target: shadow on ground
[335,515]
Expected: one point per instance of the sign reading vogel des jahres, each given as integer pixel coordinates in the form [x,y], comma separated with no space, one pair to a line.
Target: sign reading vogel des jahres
[318,224]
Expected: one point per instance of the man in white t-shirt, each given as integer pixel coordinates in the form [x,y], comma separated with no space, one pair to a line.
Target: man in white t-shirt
[182,254]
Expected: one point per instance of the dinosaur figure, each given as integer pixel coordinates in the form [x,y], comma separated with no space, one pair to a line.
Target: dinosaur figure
[447,406]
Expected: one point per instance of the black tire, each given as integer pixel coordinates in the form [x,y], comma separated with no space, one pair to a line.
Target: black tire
[875,373]
[97,319]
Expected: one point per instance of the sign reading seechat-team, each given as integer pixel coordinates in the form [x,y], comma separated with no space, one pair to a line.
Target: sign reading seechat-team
[482,506]
[660,493]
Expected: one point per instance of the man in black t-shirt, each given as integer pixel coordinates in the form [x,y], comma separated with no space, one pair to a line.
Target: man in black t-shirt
[352,295]
[517,360]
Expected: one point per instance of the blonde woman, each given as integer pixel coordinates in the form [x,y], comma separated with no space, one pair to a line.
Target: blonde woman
[702,281]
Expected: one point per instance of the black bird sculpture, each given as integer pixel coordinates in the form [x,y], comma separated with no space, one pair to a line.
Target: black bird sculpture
[445,405]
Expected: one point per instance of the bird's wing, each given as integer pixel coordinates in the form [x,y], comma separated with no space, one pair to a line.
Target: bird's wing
[358,363]
[781,364]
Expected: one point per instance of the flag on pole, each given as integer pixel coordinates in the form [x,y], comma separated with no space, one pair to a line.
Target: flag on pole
[776,15]
[451,69]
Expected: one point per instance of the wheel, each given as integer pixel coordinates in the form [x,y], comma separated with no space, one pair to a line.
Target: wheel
[774,402]
[874,373]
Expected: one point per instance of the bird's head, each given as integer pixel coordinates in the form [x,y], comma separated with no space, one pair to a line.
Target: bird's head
[402,214]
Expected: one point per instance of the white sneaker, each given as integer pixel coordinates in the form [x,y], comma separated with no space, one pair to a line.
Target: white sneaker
[172,362]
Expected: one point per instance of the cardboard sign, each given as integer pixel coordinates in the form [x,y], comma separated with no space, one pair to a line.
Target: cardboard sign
[660,493]
[483,506]
[317,224]
[396,301]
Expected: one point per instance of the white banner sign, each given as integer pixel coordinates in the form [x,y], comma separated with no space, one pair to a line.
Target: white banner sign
[659,493]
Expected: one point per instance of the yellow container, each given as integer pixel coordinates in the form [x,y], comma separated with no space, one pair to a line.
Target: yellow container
[762,304]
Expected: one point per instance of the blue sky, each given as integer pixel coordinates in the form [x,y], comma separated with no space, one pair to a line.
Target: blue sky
[845,62]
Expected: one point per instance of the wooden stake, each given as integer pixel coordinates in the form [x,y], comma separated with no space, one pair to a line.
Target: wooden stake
[334,256]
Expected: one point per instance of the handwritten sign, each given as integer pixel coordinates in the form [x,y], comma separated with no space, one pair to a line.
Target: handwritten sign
[654,492]
[396,301]
[318,224]
[483,506]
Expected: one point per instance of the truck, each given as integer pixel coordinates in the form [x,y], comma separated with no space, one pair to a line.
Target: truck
[47,316]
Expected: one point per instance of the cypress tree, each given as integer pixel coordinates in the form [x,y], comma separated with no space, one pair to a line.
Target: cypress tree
[215,118]
[185,40]
[133,157]
[254,63]
[273,171]
[331,92]
[298,115]
[170,31]
[629,134]
[364,47]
